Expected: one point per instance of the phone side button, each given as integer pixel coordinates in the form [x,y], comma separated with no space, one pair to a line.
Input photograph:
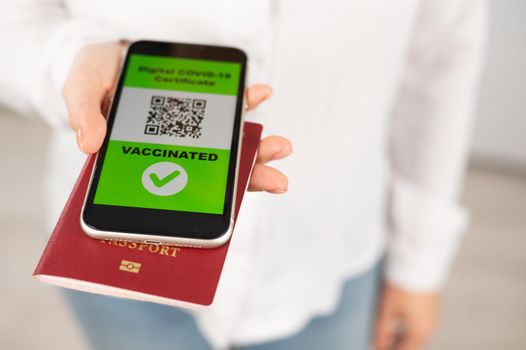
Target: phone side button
[152,242]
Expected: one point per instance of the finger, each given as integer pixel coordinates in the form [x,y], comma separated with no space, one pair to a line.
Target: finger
[385,330]
[265,178]
[272,148]
[411,341]
[256,94]
[416,334]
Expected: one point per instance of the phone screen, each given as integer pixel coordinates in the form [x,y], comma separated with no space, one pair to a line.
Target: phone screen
[170,144]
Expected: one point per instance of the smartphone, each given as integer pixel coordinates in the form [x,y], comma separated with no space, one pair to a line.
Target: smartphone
[167,170]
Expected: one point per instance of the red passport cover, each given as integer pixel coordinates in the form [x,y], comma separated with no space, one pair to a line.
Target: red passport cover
[178,276]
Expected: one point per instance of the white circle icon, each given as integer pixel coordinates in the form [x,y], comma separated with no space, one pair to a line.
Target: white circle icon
[164,178]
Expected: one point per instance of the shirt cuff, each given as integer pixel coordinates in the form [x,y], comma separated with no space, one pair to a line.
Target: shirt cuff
[425,233]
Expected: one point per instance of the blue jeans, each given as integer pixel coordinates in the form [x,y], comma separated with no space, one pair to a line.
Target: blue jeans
[113,323]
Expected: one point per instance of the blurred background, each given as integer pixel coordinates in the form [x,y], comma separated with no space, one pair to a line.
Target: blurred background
[485,300]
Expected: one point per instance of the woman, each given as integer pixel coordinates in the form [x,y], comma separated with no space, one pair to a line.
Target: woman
[376,97]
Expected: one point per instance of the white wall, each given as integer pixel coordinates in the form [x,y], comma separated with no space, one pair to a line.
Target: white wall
[500,133]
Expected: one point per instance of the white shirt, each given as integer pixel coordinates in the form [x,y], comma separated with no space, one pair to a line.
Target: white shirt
[375,95]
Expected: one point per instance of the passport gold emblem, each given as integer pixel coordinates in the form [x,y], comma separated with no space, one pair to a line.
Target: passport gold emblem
[130,266]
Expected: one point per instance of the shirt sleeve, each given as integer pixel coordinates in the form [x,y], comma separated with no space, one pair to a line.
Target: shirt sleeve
[430,141]
[39,40]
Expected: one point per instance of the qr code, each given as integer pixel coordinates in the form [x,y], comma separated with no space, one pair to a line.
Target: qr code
[175,116]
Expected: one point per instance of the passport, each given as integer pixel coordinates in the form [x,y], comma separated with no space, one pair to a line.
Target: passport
[177,276]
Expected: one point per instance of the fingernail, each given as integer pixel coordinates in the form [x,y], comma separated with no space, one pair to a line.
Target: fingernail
[282,153]
[80,140]
[279,190]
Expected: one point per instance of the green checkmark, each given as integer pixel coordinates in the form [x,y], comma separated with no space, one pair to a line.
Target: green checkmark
[161,182]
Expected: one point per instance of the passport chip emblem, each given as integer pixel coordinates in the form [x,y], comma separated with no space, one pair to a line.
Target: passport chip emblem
[130,266]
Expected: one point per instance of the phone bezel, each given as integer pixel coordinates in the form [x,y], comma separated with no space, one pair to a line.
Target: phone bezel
[156,224]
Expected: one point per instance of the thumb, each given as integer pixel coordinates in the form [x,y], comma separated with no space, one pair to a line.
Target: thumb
[90,80]
[90,126]
[83,93]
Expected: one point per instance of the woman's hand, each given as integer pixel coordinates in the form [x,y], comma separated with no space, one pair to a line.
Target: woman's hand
[91,82]
[406,321]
